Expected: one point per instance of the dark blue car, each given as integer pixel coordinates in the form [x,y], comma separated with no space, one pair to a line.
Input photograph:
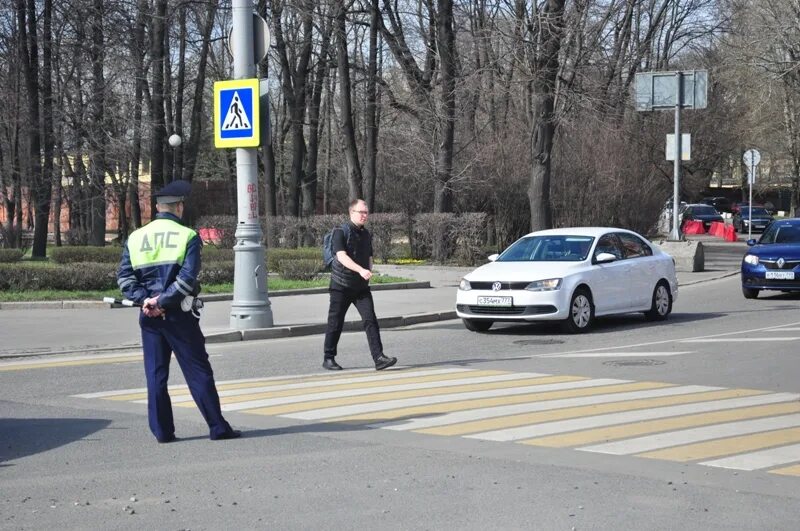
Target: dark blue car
[773,262]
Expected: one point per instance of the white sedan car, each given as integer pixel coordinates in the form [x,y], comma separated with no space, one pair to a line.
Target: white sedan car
[570,275]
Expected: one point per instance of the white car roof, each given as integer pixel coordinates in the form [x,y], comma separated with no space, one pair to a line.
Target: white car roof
[578,231]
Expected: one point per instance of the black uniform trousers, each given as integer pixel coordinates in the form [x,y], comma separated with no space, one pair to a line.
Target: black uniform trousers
[341,299]
[178,332]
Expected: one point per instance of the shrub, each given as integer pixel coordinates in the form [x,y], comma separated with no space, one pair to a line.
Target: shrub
[226,225]
[299,269]
[75,277]
[276,256]
[216,272]
[217,254]
[10,255]
[84,253]
[384,228]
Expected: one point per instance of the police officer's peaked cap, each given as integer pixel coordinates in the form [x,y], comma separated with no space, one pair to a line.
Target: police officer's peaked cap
[174,192]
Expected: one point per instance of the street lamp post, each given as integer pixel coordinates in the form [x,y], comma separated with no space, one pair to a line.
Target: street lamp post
[250,307]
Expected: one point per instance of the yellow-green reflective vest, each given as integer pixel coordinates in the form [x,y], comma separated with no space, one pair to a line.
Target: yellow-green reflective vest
[160,242]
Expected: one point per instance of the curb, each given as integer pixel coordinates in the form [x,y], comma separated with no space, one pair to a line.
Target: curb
[312,329]
[215,297]
[709,279]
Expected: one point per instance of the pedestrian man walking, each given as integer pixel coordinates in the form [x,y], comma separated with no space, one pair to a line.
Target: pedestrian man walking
[350,274]
[158,270]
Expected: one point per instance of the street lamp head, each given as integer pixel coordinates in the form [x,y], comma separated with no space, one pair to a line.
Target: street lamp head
[175,140]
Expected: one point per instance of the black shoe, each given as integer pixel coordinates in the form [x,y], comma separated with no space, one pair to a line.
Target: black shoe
[331,365]
[384,363]
[166,440]
[232,434]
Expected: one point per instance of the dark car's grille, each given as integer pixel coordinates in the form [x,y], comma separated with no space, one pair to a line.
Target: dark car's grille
[772,264]
[537,309]
[503,285]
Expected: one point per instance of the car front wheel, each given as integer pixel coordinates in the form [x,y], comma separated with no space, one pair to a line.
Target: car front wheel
[477,326]
[581,312]
[661,306]
[750,293]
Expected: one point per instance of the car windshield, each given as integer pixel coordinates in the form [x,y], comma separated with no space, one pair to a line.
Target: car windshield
[781,233]
[704,210]
[553,248]
[757,211]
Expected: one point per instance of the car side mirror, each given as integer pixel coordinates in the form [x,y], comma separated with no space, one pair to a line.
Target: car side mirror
[492,257]
[604,258]
[751,242]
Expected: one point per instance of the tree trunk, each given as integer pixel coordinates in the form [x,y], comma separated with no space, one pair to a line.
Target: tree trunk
[545,68]
[29,55]
[354,178]
[443,195]
[192,146]
[97,156]
[158,131]
[371,151]
[177,152]
[137,49]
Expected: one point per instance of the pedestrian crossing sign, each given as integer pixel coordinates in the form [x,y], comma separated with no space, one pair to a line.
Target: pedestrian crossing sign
[236,113]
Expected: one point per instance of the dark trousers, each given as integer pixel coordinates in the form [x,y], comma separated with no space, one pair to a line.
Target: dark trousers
[179,333]
[340,302]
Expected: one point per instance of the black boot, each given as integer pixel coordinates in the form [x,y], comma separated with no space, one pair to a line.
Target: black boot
[331,365]
[383,362]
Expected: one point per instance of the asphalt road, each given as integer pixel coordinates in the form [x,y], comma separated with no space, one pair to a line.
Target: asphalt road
[693,423]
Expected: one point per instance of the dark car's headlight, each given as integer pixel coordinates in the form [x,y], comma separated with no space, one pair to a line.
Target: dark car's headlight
[751,259]
[551,284]
[465,285]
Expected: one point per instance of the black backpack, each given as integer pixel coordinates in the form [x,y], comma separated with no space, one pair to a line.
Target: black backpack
[327,245]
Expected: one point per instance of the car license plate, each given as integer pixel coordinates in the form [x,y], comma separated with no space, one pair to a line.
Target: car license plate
[494,301]
[781,275]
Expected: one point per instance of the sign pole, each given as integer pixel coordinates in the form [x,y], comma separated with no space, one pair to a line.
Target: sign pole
[250,307]
[675,234]
[750,180]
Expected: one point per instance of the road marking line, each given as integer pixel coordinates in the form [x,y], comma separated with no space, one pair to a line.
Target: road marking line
[761,459]
[288,388]
[740,340]
[789,470]
[342,397]
[537,403]
[234,384]
[573,385]
[525,426]
[669,418]
[666,341]
[677,438]
[333,412]
[616,354]
[21,366]
[728,446]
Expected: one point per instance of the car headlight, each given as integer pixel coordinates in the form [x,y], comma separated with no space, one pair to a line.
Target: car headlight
[751,259]
[465,285]
[551,284]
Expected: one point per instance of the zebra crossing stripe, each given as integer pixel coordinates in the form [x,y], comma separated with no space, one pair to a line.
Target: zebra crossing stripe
[387,405]
[536,402]
[623,425]
[346,396]
[728,446]
[640,445]
[561,387]
[527,425]
[791,452]
[232,395]
[761,459]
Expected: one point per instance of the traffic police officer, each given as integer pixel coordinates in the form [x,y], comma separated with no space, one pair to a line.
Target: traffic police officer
[158,270]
